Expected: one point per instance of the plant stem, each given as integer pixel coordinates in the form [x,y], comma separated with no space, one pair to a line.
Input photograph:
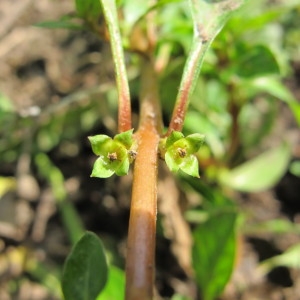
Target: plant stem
[140,261]
[208,17]
[124,114]
[187,84]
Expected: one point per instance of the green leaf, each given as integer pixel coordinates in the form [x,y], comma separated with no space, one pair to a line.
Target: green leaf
[115,287]
[85,270]
[295,168]
[133,10]
[174,137]
[256,15]
[60,24]
[275,88]
[46,275]
[295,108]
[213,133]
[98,142]
[123,167]
[190,166]
[275,226]
[88,8]
[272,86]
[171,163]
[213,254]
[125,138]
[260,173]
[195,141]
[101,169]
[209,17]
[260,121]
[290,258]
[55,178]
[256,62]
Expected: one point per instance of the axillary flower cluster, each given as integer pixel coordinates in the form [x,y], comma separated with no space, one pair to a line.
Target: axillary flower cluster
[179,152]
[116,155]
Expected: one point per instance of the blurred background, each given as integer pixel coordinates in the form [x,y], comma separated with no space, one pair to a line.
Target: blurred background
[57,88]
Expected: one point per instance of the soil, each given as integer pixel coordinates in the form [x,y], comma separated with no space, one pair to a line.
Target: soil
[40,68]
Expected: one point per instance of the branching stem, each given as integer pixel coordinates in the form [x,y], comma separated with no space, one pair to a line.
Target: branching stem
[140,261]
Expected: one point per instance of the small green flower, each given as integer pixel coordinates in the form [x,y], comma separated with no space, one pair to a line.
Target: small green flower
[179,152]
[115,155]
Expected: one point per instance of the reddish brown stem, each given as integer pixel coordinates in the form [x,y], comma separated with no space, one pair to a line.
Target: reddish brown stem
[124,113]
[142,225]
[191,71]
